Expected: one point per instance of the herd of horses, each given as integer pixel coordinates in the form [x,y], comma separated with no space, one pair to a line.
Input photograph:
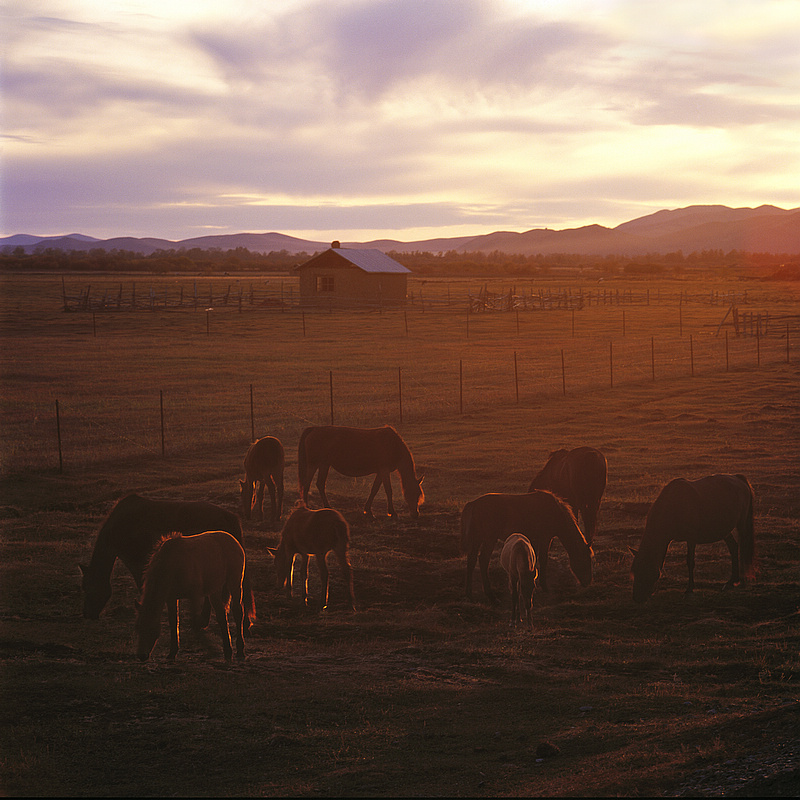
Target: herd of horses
[195,550]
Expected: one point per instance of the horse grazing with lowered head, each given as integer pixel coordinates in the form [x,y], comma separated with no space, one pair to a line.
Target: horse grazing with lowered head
[263,468]
[579,477]
[209,564]
[132,530]
[355,452]
[519,561]
[697,512]
[539,515]
[309,532]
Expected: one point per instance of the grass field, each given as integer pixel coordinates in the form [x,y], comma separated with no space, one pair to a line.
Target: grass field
[419,691]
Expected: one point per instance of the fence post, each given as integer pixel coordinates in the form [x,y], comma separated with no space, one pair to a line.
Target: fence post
[400,391]
[787,342]
[252,417]
[330,377]
[461,386]
[161,402]
[653,354]
[58,435]
[405,318]
[611,361]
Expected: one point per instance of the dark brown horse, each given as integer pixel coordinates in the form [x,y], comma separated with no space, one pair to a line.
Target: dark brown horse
[133,529]
[206,565]
[519,561]
[355,452]
[697,512]
[539,515]
[579,477]
[263,467]
[308,532]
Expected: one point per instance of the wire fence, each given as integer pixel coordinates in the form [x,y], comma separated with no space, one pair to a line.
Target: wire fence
[471,373]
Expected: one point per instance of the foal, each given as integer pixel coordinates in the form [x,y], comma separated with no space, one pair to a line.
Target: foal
[308,532]
[519,561]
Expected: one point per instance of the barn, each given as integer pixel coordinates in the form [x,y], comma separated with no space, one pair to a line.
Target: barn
[345,276]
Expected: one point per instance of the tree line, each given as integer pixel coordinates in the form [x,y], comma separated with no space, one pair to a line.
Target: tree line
[423,263]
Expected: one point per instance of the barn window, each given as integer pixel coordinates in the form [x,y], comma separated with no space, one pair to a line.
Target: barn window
[324,283]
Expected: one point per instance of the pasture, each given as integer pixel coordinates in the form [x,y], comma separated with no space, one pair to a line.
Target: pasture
[419,691]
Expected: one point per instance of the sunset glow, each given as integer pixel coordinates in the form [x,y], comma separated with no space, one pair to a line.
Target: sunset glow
[404,119]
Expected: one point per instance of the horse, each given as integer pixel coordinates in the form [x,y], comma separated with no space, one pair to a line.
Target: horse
[697,512]
[309,532]
[579,476]
[132,530]
[519,561]
[263,467]
[539,515]
[209,564]
[355,452]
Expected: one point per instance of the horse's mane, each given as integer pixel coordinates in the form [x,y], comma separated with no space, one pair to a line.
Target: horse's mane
[567,509]
[157,547]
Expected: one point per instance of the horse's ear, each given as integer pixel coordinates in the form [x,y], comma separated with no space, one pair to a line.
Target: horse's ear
[420,480]
[273,551]
[241,484]
[82,568]
[634,553]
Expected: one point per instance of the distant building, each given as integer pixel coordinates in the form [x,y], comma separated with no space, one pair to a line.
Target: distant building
[346,276]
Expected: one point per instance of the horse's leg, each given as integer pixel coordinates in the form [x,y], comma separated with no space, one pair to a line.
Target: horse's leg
[376,484]
[218,600]
[690,548]
[260,499]
[472,557]
[237,609]
[322,477]
[733,549]
[387,487]
[324,575]
[483,560]
[512,585]
[304,576]
[172,613]
[272,498]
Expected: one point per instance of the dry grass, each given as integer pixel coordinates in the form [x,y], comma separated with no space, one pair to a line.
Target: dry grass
[419,691]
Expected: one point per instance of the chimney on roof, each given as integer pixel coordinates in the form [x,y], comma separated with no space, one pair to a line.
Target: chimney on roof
[335,245]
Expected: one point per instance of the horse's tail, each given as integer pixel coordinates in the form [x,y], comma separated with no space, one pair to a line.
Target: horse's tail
[466,527]
[302,461]
[747,536]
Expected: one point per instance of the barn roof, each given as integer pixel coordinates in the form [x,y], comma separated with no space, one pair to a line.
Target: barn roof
[368,260]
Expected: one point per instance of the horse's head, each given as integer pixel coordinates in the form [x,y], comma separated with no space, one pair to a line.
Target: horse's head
[283,567]
[645,574]
[148,628]
[414,495]
[96,593]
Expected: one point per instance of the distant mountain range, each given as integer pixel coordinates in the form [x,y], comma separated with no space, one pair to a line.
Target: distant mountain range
[766,229]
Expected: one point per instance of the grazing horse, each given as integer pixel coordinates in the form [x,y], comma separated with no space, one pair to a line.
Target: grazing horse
[132,530]
[208,565]
[539,515]
[579,477]
[263,467]
[308,532]
[519,561]
[697,512]
[355,452]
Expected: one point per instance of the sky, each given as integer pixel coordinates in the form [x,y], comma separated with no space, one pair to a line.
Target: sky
[403,119]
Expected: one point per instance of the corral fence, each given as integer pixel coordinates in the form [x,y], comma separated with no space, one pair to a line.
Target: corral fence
[165,423]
